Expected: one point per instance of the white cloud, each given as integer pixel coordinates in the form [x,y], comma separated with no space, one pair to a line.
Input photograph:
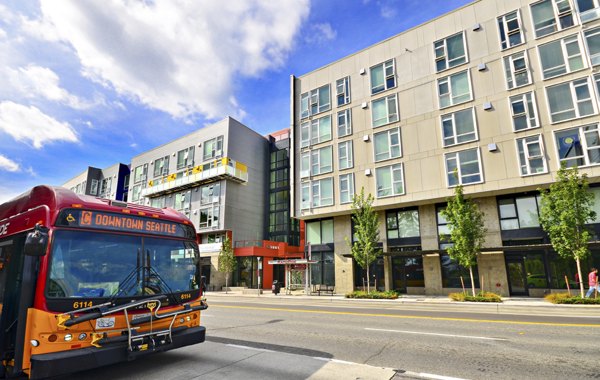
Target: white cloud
[29,124]
[36,81]
[321,33]
[181,57]
[8,164]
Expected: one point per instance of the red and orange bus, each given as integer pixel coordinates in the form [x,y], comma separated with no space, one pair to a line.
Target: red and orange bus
[87,282]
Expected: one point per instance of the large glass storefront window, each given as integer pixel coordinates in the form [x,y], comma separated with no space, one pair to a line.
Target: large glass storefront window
[323,272]
[376,273]
[402,224]
[452,272]
[519,212]
[246,273]
[407,272]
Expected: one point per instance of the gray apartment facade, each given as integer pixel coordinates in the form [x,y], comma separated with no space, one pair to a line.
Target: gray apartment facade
[502,92]
[110,183]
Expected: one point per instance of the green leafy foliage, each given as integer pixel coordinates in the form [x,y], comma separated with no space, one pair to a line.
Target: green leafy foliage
[467,231]
[479,297]
[227,260]
[565,209]
[566,298]
[389,295]
[366,227]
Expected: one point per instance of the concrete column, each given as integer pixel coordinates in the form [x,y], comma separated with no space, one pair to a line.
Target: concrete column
[432,270]
[492,272]
[344,269]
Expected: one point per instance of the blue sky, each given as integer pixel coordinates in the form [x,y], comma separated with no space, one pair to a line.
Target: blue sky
[96,82]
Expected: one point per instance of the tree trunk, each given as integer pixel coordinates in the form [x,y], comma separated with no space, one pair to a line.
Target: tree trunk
[580,277]
[226,282]
[368,279]
[472,281]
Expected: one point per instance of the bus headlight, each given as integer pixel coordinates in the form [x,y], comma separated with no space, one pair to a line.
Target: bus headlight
[34,343]
[68,337]
[82,336]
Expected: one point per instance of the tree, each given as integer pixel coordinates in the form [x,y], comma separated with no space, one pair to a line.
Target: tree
[226,260]
[467,230]
[366,229]
[565,209]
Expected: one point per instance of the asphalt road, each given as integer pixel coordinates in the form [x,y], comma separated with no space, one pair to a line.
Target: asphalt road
[267,339]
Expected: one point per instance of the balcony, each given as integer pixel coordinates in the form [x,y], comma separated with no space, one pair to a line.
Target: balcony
[222,168]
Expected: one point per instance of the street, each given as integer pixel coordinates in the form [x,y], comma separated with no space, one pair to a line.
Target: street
[296,339]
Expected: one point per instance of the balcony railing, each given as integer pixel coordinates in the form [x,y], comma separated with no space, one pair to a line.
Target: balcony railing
[222,168]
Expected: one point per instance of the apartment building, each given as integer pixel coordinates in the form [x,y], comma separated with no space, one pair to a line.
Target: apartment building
[110,183]
[502,92]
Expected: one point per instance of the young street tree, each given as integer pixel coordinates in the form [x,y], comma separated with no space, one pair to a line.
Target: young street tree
[467,230]
[226,260]
[565,209]
[366,228]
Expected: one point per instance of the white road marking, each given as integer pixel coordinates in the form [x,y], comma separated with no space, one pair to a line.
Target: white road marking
[430,376]
[436,334]
[250,348]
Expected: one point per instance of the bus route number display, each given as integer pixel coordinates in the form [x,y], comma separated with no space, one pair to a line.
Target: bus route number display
[110,221]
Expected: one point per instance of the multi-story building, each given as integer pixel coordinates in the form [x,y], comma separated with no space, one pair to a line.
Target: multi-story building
[500,92]
[110,183]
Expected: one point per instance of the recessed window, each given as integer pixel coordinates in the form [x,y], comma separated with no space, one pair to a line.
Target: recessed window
[390,180]
[386,144]
[315,101]
[209,216]
[344,122]
[161,166]
[342,91]
[511,33]
[450,52]
[315,131]
[384,110]
[346,188]
[139,173]
[213,148]
[519,212]
[561,56]
[454,89]
[402,224]
[183,200]
[579,146]
[463,167]
[210,193]
[383,77]
[588,9]
[459,127]
[185,157]
[315,162]
[524,112]
[592,38]
[570,100]
[317,193]
[345,154]
[516,69]
[550,16]
[531,155]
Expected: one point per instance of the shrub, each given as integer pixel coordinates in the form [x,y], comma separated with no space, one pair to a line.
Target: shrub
[480,297]
[566,298]
[389,295]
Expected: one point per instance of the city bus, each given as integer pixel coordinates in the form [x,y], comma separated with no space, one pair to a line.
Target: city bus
[87,282]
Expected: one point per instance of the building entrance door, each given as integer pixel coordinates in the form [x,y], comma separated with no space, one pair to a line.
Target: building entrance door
[516,276]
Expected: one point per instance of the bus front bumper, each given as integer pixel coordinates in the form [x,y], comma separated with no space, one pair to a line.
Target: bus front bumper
[60,363]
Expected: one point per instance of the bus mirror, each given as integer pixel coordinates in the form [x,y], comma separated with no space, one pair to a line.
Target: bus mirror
[36,242]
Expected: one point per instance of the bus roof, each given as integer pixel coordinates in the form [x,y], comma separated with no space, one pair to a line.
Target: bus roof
[57,198]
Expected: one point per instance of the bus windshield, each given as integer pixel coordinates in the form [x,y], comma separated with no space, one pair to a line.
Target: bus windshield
[104,265]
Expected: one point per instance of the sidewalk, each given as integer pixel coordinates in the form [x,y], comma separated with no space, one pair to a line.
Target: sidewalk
[509,305]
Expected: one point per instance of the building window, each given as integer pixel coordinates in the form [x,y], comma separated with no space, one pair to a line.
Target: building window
[344,119]
[157,202]
[516,70]
[588,9]
[342,91]
[524,112]
[450,52]
[592,38]
[345,155]
[280,159]
[386,144]
[213,148]
[346,188]
[183,200]
[454,89]
[519,212]
[279,178]
[384,110]
[402,224]
[106,186]
[454,274]
[94,187]
[531,155]
[279,201]
[390,180]
[467,166]
[139,173]
[550,16]
[316,162]
[511,33]
[161,166]
[579,146]
[323,272]
[459,127]
[135,194]
[319,232]
[570,100]
[315,101]
[442,228]
[315,132]
[185,157]
[561,56]
[383,77]
[209,217]
[317,193]
[210,193]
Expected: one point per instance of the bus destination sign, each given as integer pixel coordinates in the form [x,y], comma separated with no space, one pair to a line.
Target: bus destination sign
[116,222]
